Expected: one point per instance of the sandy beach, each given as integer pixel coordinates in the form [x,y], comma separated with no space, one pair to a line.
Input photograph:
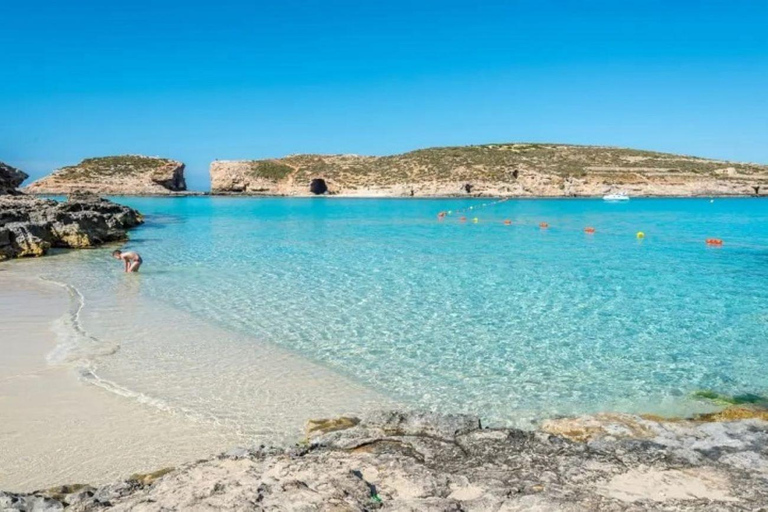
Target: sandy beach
[57,429]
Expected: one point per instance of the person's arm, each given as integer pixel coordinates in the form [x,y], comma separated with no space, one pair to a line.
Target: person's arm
[125,260]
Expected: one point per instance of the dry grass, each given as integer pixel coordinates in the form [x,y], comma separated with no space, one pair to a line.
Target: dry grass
[498,163]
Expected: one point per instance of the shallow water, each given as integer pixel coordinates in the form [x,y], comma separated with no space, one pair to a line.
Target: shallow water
[513,323]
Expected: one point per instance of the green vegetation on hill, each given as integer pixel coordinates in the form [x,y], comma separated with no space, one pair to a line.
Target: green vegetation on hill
[124,165]
[502,163]
[269,169]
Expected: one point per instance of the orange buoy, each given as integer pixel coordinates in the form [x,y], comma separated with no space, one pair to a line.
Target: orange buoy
[462,219]
[543,225]
[589,230]
[507,222]
[714,241]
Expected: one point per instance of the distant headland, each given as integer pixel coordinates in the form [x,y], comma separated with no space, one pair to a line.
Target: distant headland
[498,170]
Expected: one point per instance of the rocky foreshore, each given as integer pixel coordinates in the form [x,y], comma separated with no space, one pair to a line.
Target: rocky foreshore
[424,461]
[31,227]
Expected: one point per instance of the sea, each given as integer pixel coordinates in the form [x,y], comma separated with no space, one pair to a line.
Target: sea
[483,310]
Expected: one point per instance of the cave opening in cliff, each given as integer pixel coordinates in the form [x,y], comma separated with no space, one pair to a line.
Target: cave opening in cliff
[318,186]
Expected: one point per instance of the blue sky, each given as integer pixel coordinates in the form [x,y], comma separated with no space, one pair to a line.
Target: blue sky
[198,81]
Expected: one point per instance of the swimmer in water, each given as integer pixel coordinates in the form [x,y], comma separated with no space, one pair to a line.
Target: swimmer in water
[131,259]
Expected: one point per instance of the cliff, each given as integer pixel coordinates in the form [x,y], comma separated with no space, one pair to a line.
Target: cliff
[116,175]
[516,170]
[421,461]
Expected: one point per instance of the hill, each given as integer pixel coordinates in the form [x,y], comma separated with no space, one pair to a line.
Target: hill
[126,174]
[515,169]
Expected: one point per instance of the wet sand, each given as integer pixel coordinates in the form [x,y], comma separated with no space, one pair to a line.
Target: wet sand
[56,429]
[61,426]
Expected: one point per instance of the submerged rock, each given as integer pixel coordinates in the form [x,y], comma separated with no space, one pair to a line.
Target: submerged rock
[418,461]
[30,226]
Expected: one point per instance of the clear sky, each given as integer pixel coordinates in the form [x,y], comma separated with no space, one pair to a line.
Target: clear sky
[230,79]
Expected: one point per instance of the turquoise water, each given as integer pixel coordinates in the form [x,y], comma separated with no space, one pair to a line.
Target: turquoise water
[513,323]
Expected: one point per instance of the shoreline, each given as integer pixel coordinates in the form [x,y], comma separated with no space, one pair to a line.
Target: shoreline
[393,196]
[425,461]
[410,460]
[64,427]
[57,428]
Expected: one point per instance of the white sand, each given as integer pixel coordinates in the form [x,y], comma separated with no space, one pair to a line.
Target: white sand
[55,429]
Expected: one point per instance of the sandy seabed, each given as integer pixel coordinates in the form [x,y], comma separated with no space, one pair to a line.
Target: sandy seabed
[56,428]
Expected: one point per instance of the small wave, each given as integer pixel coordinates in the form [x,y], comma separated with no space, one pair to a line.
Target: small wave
[89,375]
[73,343]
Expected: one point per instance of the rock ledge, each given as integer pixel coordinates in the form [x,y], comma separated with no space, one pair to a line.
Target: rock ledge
[420,461]
[30,226]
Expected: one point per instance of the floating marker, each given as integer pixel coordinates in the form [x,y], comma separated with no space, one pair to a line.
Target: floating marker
[475,220]
[714,241]
[507,222]
[462,219]
[589,230]
[640,234]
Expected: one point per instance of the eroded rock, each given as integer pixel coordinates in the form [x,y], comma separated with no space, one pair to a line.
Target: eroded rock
[10,179]
[125,174]
[30,226]
[509,170]
[418,461]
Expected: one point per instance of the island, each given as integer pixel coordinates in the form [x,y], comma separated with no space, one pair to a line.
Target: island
[115,175]
[499,170]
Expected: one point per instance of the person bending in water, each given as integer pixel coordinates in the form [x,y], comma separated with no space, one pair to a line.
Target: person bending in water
[131,259]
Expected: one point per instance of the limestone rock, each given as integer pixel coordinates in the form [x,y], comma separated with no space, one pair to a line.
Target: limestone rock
[10,179]
[396,460]
[30,226]
[117,175]
[323,426]
[504,170]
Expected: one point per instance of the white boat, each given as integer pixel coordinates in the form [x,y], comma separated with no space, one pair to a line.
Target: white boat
[621,196]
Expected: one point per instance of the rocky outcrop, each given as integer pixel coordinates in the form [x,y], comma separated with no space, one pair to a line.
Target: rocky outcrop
[30,226]
[420,461]
[10,179]
[115,175]
[507,170]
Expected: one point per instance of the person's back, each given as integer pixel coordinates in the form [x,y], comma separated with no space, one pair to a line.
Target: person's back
[131,259]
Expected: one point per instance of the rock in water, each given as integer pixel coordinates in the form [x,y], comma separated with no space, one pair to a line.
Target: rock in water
[30,226]
[10,179]
[128,174]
